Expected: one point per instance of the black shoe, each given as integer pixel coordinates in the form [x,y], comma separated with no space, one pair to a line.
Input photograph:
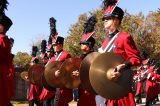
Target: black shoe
[154,102]
[157,99]
[138,101]
[10,104]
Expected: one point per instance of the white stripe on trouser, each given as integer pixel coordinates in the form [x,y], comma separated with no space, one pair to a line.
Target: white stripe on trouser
[100,101]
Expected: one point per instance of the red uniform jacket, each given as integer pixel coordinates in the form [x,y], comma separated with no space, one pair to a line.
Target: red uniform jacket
[49,94]
[125,46]
[86,99]
[11,80]
[66,96]
[6,69]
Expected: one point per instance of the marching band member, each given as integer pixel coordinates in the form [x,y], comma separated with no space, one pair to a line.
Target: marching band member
[141,79]
[47,96]
[120,43]
[85,98]
[62,96]
[155,79]
[6,64]
[34,90]
[87,46]
[12,71]
[149,86]
[156,88]
[139,85]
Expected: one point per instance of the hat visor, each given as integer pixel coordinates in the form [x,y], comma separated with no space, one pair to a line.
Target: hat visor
[84,42]
[54,44]
[108,16]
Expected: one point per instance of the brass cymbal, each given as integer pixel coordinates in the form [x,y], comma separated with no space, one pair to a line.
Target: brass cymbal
[45,84]
[68,66]
[84,72]
[100,78]
[34,73]
[24,75]
[49,74]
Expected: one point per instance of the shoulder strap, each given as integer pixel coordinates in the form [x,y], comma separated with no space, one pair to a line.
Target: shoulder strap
[58,57]
[110,44]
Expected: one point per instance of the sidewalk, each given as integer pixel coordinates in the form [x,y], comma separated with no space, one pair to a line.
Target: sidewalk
[15,103]
[143,103]
[25,103]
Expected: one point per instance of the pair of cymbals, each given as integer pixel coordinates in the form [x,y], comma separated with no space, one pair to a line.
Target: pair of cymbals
[46,85]
[65,77]
[35,76]
[84,72]
[68,67]
[49,74]
[95,71]
[35,73]
[100,76]
[95,75]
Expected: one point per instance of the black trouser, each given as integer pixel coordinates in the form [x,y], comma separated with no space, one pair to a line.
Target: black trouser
[156,98]
[31,103]
[149,102]
[49,102]
[138,98]
[35,101]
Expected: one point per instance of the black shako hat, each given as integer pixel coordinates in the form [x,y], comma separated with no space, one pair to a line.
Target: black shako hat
[58,40]
[6,22]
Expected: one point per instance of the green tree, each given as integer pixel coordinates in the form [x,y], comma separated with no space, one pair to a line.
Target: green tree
[76,32]
[145,32]
[22,59]
[73,39]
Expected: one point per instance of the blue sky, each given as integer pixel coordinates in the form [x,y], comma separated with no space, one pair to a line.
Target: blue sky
[31,17]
